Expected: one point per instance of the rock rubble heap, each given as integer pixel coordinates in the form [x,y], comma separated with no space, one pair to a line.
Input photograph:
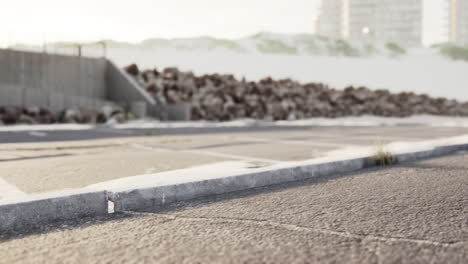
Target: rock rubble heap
[222,97]
[10,115]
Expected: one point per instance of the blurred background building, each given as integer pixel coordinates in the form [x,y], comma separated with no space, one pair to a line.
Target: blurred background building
[458,21]
[332,19]
[398,21]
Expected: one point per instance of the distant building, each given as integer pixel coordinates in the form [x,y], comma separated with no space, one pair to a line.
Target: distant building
[397,21]
[383,21]
[332,19]
[458,21]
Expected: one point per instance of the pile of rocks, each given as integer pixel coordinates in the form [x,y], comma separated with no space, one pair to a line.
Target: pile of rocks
[223,97]
[10,115]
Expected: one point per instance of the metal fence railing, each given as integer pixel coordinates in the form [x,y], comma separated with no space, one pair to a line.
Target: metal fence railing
[88,49]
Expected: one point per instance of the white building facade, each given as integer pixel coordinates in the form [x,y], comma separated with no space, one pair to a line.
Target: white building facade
[398,21]
[458,21]
[332,19]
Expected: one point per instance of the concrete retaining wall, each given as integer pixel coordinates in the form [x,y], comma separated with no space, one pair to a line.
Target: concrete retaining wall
[124,90]
[59,81]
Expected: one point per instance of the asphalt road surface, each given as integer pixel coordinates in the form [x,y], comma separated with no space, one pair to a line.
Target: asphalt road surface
[102,132]
[411,213]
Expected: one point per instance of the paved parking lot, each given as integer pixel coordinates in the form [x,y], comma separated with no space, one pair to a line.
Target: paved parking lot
[410,213]
[31,168]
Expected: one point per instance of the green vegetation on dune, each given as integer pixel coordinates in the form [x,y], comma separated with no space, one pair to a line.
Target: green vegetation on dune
[206,43]
[225,43]
[323,38]
[370,49]
[452,51]
[275,46]
[395,49]
[342,47]
[309,43]
[271,43]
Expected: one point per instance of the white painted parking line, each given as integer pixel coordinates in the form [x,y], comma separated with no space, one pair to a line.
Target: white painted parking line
[37,134]
[295,142]
[206,153]
[229,156]
[143,147]
[8,190]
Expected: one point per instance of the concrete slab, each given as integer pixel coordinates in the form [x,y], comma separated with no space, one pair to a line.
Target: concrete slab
[78,169]
[275,151]
[191,142]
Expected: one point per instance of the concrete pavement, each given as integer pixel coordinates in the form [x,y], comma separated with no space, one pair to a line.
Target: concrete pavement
[411,213]
[32,168]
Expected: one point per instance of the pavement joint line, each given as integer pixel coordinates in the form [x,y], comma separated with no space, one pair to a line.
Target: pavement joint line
[300,228]
[206,153]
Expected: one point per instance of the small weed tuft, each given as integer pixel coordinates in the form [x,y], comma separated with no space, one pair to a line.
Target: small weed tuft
[382,157]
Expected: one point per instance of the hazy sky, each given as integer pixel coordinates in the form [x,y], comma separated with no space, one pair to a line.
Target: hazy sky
[134,20]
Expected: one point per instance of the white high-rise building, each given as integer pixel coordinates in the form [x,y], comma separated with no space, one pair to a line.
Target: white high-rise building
[332,19]
[458,21]
[383,21]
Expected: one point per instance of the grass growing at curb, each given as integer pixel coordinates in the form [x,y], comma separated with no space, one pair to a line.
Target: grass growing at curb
[382,157]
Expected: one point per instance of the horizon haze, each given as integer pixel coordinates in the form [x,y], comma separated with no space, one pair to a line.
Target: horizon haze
[59,20]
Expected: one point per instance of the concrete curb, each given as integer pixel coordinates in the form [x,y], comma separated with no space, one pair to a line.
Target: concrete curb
[27,213]
[437,151]
[130,200]
[35,211]
[141,198]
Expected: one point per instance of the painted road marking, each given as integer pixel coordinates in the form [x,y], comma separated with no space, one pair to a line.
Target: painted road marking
[230,156]
[8,190]
[143,147]
[206,153]
[37,134]
[294,142]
